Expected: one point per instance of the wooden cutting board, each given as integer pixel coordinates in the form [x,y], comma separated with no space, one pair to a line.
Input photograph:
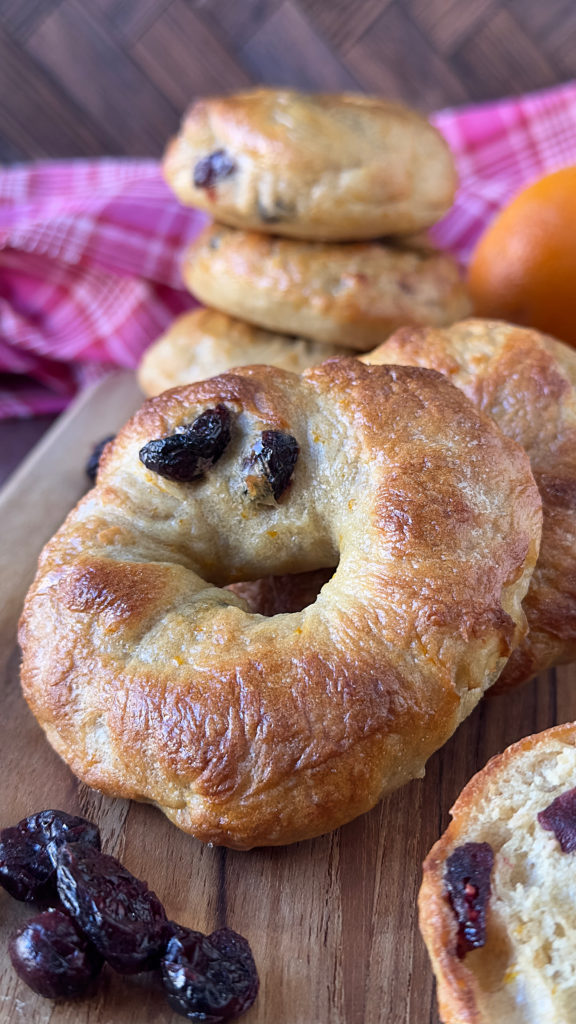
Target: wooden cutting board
[332,922]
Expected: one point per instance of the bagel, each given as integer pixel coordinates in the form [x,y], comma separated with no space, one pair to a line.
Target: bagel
[311,166]
[527,383]
[155,683]
[352,295]
[512,853]
[205,342]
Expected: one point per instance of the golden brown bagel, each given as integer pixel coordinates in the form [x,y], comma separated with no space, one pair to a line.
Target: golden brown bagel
[523,973]
[155,683]
[205,342]
[311,166]
[527,382]
[351,295]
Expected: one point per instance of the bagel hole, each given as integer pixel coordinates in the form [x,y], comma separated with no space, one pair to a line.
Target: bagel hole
[280,595]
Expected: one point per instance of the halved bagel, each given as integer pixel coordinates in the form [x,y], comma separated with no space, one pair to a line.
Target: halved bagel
[497,904]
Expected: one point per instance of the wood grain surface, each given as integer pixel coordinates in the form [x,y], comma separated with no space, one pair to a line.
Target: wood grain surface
[113,76]
[332,922]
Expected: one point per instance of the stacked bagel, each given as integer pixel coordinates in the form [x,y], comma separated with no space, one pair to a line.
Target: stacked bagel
[318,246]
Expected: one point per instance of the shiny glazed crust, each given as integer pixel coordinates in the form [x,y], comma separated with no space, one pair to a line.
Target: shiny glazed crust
[527,382]
[352,295]
[526,972]
[205,342]
[314,166]
[155,683]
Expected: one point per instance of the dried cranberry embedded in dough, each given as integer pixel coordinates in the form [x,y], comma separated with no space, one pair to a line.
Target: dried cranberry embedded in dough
[269,467]
[53,957]
[560,818]
[467,884]
[186,455]
[214,168]
[119,914]
[209,978]
[28,850]
[94,459]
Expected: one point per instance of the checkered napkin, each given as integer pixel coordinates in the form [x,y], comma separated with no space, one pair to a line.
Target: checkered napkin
[90,251]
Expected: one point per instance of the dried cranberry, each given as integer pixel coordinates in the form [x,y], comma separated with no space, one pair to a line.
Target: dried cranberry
[27,851]
[186,455]
[94,459]
[51,955]
[467,883]
[122,917]
[560,818]
[269,467]
[209,978]
[213,168]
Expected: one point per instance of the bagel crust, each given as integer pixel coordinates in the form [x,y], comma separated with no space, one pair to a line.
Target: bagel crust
[525,971]
[351,295]
[155,683]
[311,166]
[205,342]
[527,383]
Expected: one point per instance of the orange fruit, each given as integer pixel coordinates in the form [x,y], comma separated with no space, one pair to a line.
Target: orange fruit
[524,266]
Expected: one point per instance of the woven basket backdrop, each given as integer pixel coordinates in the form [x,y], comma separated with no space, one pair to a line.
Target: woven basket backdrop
[91,77]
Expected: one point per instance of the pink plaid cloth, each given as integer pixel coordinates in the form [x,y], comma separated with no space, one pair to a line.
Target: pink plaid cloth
[90,251]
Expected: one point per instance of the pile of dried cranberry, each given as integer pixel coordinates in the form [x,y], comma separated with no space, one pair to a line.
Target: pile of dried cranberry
[100,913]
